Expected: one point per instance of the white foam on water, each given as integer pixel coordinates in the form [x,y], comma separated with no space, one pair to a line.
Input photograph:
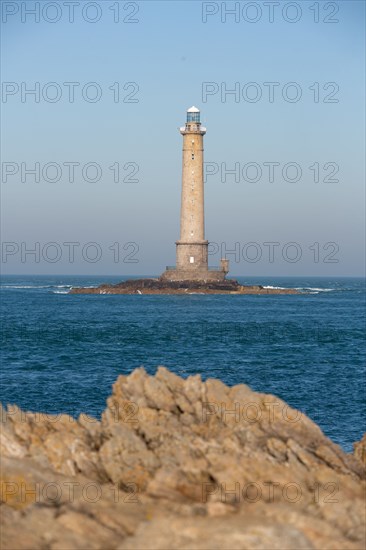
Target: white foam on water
[26,286]
[66,288]
[307,289]
[62,286]
[275,287]
[315,289]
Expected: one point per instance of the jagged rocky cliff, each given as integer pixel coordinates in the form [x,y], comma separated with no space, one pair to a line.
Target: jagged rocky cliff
[178,464]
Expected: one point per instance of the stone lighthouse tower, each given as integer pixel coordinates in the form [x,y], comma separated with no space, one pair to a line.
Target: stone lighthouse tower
[192,248]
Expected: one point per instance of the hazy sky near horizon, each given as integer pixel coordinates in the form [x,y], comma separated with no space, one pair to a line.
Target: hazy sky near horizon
[296,146]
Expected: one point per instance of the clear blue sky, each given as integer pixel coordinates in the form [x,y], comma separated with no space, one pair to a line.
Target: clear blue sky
[170,52]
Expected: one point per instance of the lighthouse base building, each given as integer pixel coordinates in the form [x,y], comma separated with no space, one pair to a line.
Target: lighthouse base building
[204,274]
[192,247]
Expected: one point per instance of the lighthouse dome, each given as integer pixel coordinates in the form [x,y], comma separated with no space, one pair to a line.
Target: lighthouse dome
[193,110]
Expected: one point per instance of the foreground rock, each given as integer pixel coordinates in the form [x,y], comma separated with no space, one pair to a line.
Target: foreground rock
[159,286]
[360,449]
[178,464]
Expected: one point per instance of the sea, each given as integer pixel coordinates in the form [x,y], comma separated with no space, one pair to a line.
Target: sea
[62,352]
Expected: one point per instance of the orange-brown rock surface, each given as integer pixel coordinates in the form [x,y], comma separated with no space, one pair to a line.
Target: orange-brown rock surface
[178,464]
[360,449]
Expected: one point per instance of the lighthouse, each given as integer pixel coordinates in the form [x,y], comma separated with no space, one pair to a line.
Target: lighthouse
[192,247]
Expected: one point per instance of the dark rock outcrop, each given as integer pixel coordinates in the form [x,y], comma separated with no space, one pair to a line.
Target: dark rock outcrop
[178,464]
[161,286]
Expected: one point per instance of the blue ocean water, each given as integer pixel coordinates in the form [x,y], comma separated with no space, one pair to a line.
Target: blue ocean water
[61,352]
